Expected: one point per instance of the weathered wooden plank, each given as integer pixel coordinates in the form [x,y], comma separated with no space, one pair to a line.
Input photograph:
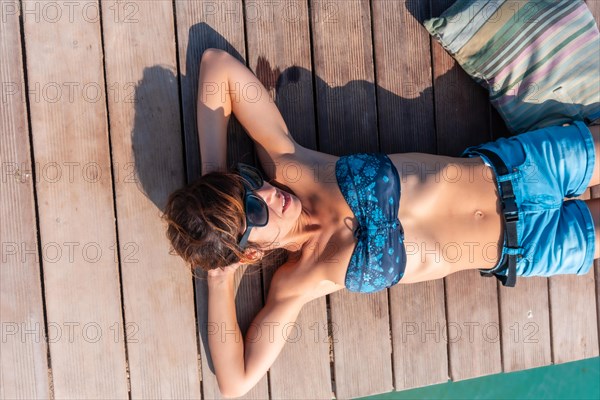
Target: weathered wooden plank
[23,349]
[525,332]
[75,199]
[525,317]
[405,109]
[302,370]
[282,63]
[347,123]
[404,77]
[145,129]
[419,335]
[597,279]
[575,325]
[524,309]
[573,321]
[343,58]
[594,6]
[461,113]
[574,334]
[595,193]
[201,25]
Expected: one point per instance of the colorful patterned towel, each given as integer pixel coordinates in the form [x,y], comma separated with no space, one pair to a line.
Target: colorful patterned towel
[540,60]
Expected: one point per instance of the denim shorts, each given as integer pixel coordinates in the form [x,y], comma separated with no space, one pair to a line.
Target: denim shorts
[545,166]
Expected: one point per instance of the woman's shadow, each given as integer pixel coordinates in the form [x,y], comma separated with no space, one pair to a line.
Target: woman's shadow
[165,139]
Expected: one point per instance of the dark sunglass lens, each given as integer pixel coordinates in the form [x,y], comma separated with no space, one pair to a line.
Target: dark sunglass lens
[256,211]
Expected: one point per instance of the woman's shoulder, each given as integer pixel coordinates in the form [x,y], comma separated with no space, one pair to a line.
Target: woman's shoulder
[300,167]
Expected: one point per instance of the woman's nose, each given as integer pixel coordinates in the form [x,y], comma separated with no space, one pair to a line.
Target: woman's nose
[268,193]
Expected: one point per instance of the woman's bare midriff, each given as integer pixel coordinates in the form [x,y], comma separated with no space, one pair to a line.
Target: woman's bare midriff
[449,209]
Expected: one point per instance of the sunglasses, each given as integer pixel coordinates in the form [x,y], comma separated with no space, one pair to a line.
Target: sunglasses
[257,211]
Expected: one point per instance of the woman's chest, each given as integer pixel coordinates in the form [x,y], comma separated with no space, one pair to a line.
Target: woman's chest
[321,265]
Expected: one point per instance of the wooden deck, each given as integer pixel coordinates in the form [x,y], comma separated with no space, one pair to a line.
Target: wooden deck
[98,127]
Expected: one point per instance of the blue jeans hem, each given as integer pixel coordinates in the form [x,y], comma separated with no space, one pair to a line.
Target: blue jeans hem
[591,155]
[588,260]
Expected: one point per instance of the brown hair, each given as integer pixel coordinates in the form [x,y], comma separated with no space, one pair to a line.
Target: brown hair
[205,220]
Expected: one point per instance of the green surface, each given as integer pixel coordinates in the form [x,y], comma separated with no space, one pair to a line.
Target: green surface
[574,380]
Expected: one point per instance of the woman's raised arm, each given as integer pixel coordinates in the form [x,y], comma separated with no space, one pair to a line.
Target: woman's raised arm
[213,113]
[240,363]
[225,85]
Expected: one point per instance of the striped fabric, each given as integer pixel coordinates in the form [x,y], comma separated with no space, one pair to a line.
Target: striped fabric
[540,59]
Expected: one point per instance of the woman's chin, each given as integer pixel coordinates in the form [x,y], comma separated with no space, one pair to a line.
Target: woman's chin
[295,209]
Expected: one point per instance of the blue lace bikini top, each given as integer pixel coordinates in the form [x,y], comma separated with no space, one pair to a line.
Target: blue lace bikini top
[371,186]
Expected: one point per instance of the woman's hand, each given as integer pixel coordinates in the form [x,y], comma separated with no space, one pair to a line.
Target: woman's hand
[228,271]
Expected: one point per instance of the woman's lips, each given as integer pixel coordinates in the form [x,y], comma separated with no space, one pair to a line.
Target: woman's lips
[288,201]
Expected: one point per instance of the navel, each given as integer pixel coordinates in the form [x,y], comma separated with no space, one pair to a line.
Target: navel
[478,214]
